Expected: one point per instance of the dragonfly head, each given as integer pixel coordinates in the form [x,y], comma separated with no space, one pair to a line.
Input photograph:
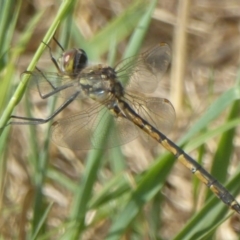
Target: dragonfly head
[72,62]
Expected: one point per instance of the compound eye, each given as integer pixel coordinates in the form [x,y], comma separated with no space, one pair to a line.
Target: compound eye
[80,61]
[73,61]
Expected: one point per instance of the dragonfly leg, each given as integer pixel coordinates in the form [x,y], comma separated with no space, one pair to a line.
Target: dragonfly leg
[53,59]
[55,89]
[57,42]
[37,121]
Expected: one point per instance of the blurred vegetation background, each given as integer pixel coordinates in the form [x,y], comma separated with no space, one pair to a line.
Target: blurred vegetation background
[135,191]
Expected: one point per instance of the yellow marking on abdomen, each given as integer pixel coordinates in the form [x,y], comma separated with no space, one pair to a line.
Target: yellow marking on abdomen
[169,147]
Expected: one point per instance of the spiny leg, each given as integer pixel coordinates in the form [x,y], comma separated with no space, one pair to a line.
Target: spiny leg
[57,42]
[55,89]
[53,59]
[36,121]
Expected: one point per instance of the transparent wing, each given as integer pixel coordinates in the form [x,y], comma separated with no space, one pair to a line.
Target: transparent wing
[98,128]
[91,129]
[53,84]
[145,71]
[159,112]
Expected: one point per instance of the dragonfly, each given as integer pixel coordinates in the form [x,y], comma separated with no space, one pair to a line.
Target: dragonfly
[100,86]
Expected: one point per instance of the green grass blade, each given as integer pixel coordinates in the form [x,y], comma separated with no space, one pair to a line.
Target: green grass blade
[225,100]
[42,221]
[9,12]
[84,192]
[225,147]
[16,52]
[206,136]
[148,187]
[140,33]
[42,158]
[118,29]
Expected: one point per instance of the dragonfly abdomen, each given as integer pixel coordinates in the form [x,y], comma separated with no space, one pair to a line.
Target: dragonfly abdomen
[220,191]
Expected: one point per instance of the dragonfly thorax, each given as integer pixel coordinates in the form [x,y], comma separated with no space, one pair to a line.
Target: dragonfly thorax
[100,83]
